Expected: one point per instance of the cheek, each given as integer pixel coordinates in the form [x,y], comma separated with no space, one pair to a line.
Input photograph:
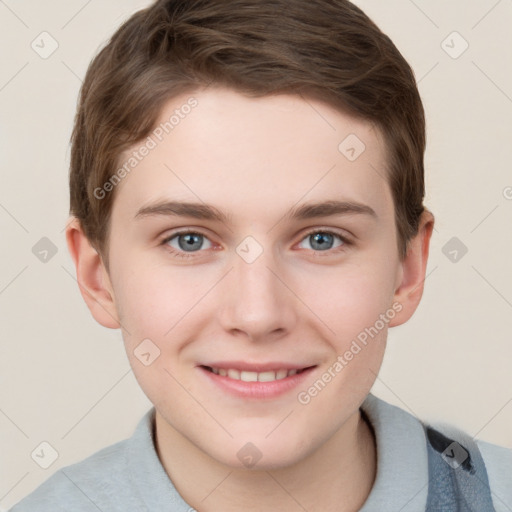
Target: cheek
[154,304]
[349,298]
[153,299]
[357,310]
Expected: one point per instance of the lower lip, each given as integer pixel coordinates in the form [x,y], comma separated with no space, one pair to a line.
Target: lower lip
[257,389]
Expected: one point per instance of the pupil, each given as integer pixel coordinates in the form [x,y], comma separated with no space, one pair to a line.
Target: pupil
[319,239]
[190,240]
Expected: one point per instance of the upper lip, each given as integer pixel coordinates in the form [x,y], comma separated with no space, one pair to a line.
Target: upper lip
[256,367]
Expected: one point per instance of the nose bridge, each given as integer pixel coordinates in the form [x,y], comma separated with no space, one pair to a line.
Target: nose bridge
[256,301]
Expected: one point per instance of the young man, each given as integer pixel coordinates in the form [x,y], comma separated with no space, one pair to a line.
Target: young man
[247,207]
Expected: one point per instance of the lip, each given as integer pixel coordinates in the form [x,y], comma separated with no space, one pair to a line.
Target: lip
[255,390]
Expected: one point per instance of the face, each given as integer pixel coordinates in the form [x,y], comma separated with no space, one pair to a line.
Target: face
[222,302]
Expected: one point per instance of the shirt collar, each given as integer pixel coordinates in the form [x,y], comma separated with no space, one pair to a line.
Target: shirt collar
[401,481]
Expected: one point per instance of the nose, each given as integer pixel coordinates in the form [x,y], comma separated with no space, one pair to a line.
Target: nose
[255,299]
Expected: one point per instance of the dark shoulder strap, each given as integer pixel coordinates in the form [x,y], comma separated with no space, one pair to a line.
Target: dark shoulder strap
[458,479]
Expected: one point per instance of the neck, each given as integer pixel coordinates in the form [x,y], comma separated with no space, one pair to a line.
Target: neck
[338,476]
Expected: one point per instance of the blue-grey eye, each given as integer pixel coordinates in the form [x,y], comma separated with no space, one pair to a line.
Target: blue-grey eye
[323,240]
[187,241]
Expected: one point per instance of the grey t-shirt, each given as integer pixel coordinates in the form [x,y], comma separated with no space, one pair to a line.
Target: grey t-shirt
[128,475]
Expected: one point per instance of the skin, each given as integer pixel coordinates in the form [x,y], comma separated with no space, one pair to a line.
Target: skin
[255,159]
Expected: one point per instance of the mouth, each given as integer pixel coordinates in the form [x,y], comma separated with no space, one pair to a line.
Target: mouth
[255,381]
[253,376]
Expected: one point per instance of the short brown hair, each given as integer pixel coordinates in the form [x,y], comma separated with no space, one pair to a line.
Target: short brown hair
[321,49]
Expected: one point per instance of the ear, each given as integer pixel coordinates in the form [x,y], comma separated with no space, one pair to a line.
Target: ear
[411,275]
[92,277]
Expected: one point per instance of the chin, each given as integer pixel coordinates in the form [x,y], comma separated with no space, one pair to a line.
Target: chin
[259,453]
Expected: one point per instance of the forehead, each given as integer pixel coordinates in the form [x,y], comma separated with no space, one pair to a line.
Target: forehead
[256,155]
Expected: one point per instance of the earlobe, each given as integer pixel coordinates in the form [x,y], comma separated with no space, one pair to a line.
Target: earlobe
[92,277]
[413,270]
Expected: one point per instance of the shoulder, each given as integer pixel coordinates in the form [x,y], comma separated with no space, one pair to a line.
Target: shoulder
[492,462]
[498,462]
[401,436]
[496,455]
[84,486]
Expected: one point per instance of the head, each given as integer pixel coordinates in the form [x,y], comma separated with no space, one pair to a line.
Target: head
[255,108]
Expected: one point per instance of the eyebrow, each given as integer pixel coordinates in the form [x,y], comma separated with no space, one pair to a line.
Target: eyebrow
[204,211]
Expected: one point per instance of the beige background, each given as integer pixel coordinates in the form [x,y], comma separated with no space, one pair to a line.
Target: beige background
[65,379]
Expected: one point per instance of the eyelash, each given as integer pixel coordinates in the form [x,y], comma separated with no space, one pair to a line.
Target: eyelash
[328,252]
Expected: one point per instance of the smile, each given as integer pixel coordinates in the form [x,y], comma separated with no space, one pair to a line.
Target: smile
[251,381]
[248,376]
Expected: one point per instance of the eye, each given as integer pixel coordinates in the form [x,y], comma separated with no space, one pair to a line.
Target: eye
[187,242]
[322,240]
[184,244]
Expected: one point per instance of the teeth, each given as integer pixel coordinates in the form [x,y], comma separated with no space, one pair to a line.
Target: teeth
[245,376]
[269,376]
[249,376]
[281,374]
[234,374]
